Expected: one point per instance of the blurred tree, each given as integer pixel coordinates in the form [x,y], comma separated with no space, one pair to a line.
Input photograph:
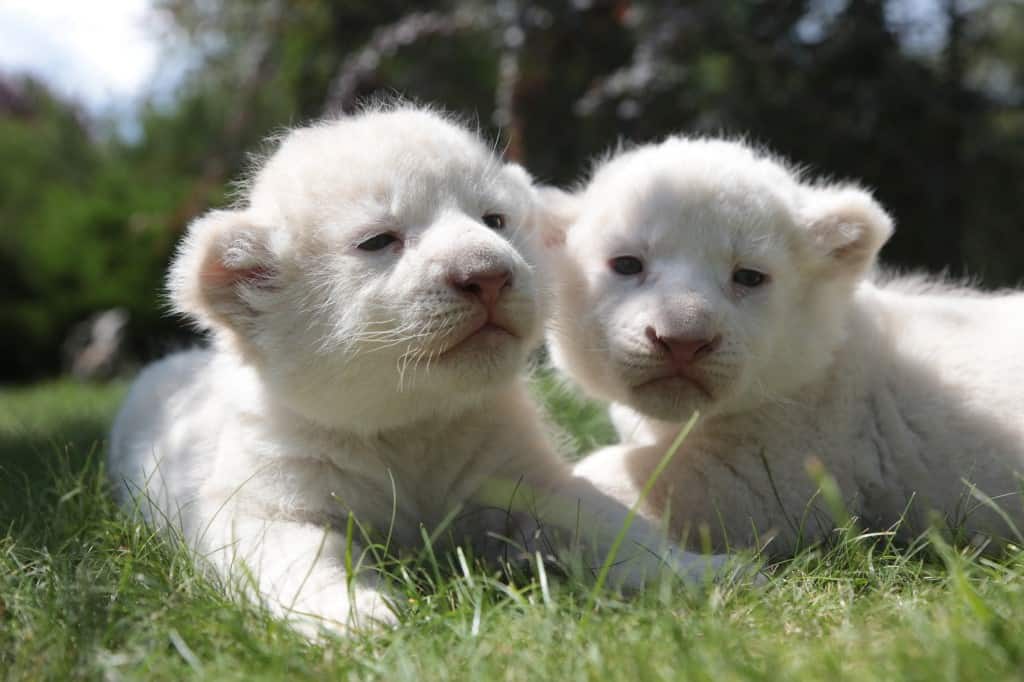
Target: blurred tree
[74,238]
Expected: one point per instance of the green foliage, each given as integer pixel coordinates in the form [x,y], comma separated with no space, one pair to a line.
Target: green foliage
[86,593]
[81,233]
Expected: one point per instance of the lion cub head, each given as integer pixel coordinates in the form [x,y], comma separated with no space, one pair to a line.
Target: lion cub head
[378,272]
[702,274]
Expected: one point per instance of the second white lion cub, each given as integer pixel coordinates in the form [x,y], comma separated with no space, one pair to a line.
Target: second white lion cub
[372,306]
[703,275]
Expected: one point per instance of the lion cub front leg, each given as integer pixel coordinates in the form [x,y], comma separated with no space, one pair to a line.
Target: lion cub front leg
[298,570]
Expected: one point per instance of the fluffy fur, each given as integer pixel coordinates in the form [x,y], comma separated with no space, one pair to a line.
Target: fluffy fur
[372,305]
[909,394]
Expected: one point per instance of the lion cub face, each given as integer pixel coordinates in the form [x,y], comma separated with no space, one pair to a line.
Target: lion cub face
[381,271]
[697,274]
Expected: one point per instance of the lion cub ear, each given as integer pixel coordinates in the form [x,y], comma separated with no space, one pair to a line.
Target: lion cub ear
[847,228]
[557,211]
[223,271]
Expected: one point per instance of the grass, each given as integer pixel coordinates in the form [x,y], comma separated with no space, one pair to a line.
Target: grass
[86,594]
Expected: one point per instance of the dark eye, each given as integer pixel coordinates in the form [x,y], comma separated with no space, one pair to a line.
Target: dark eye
[627,265]
[495,221]
[749,278]
[378,242]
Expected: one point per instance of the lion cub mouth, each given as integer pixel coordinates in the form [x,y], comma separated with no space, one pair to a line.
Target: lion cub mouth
[674,381]
[485,335]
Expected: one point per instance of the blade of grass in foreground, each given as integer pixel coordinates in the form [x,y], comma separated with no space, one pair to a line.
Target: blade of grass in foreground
[602,575]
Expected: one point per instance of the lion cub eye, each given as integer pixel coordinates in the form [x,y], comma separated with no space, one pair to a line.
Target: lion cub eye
[749,278]
[495,221]
[378,242]
[627,265]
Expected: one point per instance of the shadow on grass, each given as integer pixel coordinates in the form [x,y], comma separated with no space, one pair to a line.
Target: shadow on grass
[52,447]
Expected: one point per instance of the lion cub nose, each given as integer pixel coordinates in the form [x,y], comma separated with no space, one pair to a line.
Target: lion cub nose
[683,350]
[484,285]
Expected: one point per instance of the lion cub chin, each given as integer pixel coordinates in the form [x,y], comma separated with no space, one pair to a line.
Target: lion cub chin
[372,305]
[703,275]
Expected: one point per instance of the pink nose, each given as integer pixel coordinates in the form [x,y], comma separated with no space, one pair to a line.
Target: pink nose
[683,350]
[485,285]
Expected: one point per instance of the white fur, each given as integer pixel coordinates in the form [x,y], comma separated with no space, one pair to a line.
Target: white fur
[350,382]
[908,395]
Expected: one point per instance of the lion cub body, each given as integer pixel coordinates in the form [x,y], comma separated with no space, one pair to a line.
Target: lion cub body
[909,394]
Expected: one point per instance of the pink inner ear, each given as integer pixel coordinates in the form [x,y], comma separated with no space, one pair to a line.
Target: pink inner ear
[259,275]
[854,249]
[216,274]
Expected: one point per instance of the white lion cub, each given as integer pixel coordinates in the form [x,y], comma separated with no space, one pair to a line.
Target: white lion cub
[372,306]
[700,274]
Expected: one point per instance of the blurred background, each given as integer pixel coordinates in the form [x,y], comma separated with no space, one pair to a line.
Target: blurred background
[122,120]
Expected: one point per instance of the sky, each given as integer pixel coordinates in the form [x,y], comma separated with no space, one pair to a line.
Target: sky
[102,53]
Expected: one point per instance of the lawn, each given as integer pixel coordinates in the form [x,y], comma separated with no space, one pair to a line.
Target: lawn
[85,593]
